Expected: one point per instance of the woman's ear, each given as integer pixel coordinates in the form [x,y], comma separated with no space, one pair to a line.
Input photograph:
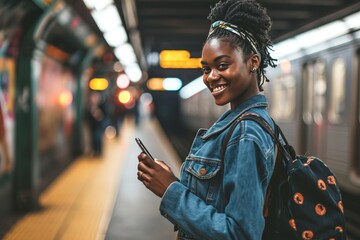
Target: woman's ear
[254,61]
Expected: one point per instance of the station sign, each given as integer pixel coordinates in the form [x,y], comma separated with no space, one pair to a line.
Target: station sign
[178,59]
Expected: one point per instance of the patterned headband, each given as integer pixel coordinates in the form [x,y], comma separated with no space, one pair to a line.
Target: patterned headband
[240,32]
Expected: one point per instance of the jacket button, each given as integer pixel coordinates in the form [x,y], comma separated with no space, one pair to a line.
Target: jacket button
[202,171]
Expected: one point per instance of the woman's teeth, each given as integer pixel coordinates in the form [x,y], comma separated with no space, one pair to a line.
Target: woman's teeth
[218,89]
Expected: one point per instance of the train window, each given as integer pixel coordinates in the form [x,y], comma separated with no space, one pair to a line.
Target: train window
[337,97]
[308,95]
[319,92]
[283,98]
[314,94]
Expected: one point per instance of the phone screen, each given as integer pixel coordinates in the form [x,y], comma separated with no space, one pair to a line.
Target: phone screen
[143,148]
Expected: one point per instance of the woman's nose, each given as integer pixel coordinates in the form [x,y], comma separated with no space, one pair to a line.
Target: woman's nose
[213,75]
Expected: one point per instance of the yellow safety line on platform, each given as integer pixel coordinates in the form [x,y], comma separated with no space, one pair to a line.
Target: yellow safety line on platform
[79,203]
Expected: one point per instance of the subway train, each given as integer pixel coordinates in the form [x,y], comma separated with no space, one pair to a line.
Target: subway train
[313,95]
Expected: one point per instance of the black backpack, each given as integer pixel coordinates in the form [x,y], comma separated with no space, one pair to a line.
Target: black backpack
[303,199]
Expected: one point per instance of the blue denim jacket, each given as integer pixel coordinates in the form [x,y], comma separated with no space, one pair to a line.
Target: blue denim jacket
[205,204]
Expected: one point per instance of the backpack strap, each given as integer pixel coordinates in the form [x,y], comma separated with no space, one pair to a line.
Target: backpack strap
[288,155]
[228,136]
[286,151]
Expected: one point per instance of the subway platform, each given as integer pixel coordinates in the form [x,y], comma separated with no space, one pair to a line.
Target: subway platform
[101,198]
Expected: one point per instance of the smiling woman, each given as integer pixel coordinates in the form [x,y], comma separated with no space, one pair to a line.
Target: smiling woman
[234,58]
[227,74]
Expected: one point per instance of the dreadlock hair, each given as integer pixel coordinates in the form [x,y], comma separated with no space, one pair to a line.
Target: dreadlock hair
[250,16]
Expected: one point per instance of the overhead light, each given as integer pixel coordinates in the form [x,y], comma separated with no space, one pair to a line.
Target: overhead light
[134,72]
[125,53]
[286,47]
[192,88]
[96,4]
[321,34]
[353,21]
[116,36]
[172,84]
[318,39]
[107,18]
[109,22]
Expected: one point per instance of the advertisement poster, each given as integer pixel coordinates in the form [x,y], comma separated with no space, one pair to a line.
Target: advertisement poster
[7,88]
[54,100]
[10,34]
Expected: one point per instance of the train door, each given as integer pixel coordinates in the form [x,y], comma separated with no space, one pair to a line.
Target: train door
[338,129]
[314,79]
[356,159]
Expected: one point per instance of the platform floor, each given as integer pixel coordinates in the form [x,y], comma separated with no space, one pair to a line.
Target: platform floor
[101,198]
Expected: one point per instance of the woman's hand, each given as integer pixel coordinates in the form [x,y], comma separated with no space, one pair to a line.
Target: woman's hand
[155,175]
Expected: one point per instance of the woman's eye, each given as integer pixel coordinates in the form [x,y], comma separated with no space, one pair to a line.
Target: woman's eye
[223,66]
[205,70]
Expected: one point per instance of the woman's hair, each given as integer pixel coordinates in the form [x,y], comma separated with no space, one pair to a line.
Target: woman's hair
[253,22]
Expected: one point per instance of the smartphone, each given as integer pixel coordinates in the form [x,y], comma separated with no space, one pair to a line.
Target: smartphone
[143,148]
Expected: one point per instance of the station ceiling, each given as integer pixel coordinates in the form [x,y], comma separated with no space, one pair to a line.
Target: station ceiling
[183,24]
[155,25]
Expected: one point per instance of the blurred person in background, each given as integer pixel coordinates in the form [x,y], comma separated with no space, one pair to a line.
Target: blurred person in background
[95,115]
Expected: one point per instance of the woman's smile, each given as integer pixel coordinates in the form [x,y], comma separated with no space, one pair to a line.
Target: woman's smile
[218,90]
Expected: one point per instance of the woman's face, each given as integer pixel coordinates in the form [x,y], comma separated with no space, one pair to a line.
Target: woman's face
[226,74]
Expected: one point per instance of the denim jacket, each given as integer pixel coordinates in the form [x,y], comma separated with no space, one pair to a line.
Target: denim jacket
[206,204]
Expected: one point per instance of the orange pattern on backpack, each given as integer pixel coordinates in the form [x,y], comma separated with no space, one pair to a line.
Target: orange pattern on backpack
[298,198]
[292,224]
[340,229]
[309,160]
[320,209]
[341,207]
[321,184]
[331,180]
[307,235]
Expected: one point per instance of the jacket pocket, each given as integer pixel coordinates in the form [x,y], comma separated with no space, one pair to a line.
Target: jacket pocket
[203,178]
[203,169]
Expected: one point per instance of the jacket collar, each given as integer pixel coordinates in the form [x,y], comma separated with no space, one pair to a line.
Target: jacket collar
[231,115]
